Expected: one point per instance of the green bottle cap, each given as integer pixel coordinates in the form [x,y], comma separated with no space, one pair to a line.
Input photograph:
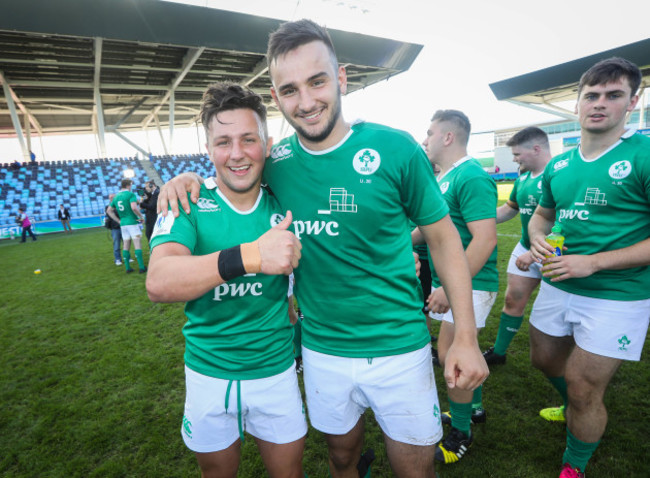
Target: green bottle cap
[557,229]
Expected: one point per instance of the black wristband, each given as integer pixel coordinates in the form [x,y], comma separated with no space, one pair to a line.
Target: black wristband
[230,263]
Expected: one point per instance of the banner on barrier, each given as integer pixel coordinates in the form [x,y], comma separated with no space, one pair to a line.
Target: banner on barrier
[12,231]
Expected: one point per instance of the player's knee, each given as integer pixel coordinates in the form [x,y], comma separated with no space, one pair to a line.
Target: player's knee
[343,459]
[514,304]
[539,360]
[581,392]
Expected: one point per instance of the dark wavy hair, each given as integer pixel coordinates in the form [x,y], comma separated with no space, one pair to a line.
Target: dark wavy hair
[225,96]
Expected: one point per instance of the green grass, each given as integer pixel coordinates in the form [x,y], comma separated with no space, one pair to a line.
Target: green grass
[92,385]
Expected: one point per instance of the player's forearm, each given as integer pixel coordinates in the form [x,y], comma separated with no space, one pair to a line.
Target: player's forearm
[416,237]
[479,251]
[637,255]
[182,278]
[451,266]
[540,223]
[113,216]
[505,212]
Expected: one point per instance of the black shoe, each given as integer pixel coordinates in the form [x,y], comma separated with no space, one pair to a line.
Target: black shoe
[363,467]
[142,271]
[493,358]
[298,364]
[479,415]
[128,271]
[454,447]
[434,357]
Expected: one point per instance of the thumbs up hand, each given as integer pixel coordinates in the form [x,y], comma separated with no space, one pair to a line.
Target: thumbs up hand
[279,248]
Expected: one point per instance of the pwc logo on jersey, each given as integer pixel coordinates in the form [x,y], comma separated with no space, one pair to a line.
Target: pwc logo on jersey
[280,152]
[163,225]
[207,205]
[620,169]
[233,289]
[340,201]
[444,187]
[593,197]
[563,163]
[366,161]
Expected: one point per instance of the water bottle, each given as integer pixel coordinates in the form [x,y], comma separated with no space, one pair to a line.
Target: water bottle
[556,240]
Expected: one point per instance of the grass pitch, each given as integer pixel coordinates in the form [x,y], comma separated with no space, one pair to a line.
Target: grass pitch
[92,385]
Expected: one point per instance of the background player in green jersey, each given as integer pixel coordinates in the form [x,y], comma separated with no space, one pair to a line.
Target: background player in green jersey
[124,209]
[353,188]
[471,195]
[231,267]
[593,307]
[531,150]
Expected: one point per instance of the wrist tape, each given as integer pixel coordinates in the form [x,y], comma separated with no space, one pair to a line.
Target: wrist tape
[239,260]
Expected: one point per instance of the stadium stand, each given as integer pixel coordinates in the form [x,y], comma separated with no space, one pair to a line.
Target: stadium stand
[83,185]
[170,166]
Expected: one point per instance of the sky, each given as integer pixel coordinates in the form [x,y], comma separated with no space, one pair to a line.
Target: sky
[467,45]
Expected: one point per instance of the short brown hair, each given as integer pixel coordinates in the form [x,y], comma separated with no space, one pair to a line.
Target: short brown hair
[458,119]
[611,69]
[529,135]
[291,35]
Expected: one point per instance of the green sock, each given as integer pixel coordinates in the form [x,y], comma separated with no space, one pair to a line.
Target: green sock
[297,339]
[127,257]
[461,415]
[138,256]
[508,327]
[577,452]
[560,385]
[477,399]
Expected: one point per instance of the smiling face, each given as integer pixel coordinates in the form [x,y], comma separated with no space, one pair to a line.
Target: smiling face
[603,108]
[526,156]
[307,88]
[237,150]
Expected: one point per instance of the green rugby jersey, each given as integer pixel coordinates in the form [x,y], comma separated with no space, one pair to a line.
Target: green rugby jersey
[602,205]
[471,195]
[240,330]
[526,193]
[122,204]
[351,205]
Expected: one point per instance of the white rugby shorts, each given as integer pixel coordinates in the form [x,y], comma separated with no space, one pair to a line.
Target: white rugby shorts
[483,301]
[131,231]
[534,270]
[400,390]
[271,410]
[611,328]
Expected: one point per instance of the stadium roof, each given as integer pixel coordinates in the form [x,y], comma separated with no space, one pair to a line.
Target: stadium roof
[544,89]
[145,60]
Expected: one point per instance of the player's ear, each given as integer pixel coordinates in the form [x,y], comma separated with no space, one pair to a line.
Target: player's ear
[269,145]
[343,80]
[633,101]
[274,95]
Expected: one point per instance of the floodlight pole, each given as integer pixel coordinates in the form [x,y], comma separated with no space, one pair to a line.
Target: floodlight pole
[99,110]
[172,102]
[14,115]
